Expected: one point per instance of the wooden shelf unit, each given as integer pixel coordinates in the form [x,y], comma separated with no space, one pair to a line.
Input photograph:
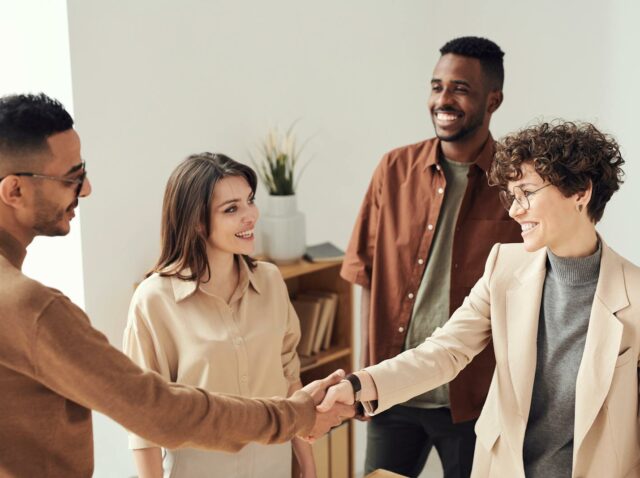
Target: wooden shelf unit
[325,276]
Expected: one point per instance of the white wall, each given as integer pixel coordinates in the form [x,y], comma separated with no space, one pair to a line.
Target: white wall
[156,80]
[35,58]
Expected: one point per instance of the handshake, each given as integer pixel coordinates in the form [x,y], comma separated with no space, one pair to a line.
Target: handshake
[334,403]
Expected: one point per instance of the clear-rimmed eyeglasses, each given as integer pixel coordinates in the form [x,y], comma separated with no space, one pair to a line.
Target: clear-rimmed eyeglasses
[79,181]
[520,196]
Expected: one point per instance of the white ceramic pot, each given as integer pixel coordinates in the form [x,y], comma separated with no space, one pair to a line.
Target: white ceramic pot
[283,230]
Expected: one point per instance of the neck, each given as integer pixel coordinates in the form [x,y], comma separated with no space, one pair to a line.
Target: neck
[467,149]
[583,243]
[224,274]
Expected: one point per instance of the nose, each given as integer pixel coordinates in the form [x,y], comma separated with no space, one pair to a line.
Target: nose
[251,215]
[85,190]
[516,209]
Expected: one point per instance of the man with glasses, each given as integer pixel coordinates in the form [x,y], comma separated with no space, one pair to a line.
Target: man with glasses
[55,368]
[425,229]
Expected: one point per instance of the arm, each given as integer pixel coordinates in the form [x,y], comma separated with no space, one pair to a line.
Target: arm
[436,361]
[148,462]
[76,361]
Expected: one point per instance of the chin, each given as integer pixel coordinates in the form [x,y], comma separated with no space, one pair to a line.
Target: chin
[531,245]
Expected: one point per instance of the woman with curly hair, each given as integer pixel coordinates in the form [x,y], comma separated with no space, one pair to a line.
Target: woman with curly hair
[562,310]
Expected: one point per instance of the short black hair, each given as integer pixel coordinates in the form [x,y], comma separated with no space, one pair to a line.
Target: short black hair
[26,121]
[489,54]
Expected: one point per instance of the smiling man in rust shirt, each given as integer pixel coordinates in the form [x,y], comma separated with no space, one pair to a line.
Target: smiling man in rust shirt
[420,243]
[55,368]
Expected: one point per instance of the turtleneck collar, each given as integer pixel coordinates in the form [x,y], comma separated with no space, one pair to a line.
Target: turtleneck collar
[575,270]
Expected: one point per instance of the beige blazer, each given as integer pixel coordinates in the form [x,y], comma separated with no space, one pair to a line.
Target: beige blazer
[504,306]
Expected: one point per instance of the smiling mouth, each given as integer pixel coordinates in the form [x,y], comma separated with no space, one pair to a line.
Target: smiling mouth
[245,234]
[528,227]
[446,117]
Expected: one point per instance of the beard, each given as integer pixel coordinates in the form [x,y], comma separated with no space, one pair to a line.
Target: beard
[475,122]
[50,217]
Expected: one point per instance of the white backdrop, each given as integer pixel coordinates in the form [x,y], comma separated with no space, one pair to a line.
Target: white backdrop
[155,80]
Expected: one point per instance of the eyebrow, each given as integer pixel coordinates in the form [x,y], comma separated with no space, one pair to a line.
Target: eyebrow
[75,168]
[231,201]
[455,82]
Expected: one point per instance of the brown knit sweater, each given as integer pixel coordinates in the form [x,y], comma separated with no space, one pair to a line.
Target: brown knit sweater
[55,368]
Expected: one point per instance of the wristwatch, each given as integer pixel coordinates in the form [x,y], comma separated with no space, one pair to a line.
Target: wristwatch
[355,384]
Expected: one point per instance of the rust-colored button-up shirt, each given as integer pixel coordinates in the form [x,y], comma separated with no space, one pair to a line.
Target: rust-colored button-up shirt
[390,245]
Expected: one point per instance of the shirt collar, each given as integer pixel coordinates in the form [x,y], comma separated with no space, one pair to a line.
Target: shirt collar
[483,160]
[186,288]
[11,248]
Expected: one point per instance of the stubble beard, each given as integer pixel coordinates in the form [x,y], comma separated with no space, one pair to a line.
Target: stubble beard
[49,217]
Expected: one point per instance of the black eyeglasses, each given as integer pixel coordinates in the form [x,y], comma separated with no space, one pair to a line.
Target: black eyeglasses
[520,196]
[79,181]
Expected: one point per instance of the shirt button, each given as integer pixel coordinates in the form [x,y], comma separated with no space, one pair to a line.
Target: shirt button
[410,295]
[400,329]
[237,341]
[420,261]
[455,266]
[440,190]
[430,227]
[243,378]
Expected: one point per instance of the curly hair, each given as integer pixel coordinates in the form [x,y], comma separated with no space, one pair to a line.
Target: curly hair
[569,155]
[487,52]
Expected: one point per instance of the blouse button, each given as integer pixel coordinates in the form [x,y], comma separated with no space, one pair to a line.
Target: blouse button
[420,261]
[401,329]
[430,227]
[410,295]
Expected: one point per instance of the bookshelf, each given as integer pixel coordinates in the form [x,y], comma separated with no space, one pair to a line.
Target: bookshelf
[325,276]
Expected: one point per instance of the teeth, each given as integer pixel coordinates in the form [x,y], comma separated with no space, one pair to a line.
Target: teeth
[446,116]
[245,234]
[527,226]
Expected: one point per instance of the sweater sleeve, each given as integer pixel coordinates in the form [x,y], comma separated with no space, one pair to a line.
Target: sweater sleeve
[76,361]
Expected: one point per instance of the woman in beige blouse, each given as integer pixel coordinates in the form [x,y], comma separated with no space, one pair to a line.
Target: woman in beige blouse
[210,316]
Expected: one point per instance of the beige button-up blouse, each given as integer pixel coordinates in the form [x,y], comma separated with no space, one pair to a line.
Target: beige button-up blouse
[246,347]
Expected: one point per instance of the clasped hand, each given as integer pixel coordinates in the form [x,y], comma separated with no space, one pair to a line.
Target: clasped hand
[330,411]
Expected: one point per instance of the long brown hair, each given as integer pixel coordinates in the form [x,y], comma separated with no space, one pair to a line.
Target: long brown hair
[186,214]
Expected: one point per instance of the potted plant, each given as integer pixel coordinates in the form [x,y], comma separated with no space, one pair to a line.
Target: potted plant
[283,226]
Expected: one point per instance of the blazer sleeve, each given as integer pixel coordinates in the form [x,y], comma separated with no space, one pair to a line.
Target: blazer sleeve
[443,355]
[358,258]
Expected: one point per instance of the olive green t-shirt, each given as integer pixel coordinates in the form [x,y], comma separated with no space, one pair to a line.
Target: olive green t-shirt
[431,309]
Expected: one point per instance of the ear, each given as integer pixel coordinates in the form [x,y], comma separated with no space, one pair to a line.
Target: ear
[494,100]
[10,192]
[582,198]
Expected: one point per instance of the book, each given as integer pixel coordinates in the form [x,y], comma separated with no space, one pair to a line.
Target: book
[308,314]
[327,317]
[323,320]
[324,252]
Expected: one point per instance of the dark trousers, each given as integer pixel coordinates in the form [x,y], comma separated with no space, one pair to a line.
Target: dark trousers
[401,438]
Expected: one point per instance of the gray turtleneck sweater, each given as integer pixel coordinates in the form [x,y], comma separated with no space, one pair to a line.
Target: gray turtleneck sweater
[569,289]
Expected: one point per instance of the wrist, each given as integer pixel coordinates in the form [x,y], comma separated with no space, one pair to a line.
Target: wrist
[353,382]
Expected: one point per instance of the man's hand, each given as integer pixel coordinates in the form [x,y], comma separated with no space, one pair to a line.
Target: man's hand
[341,393]
[327,420]
[318,388]
[331,417]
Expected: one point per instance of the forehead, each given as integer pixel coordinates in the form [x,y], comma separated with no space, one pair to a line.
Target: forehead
[64,152]
[230,187]
[456,67]
[529,175]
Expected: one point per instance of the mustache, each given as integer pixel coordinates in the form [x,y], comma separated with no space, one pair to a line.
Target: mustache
[73,205]
[446,109]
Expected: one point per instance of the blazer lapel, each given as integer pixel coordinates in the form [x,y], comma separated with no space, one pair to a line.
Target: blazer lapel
[602,345]
[523,301]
